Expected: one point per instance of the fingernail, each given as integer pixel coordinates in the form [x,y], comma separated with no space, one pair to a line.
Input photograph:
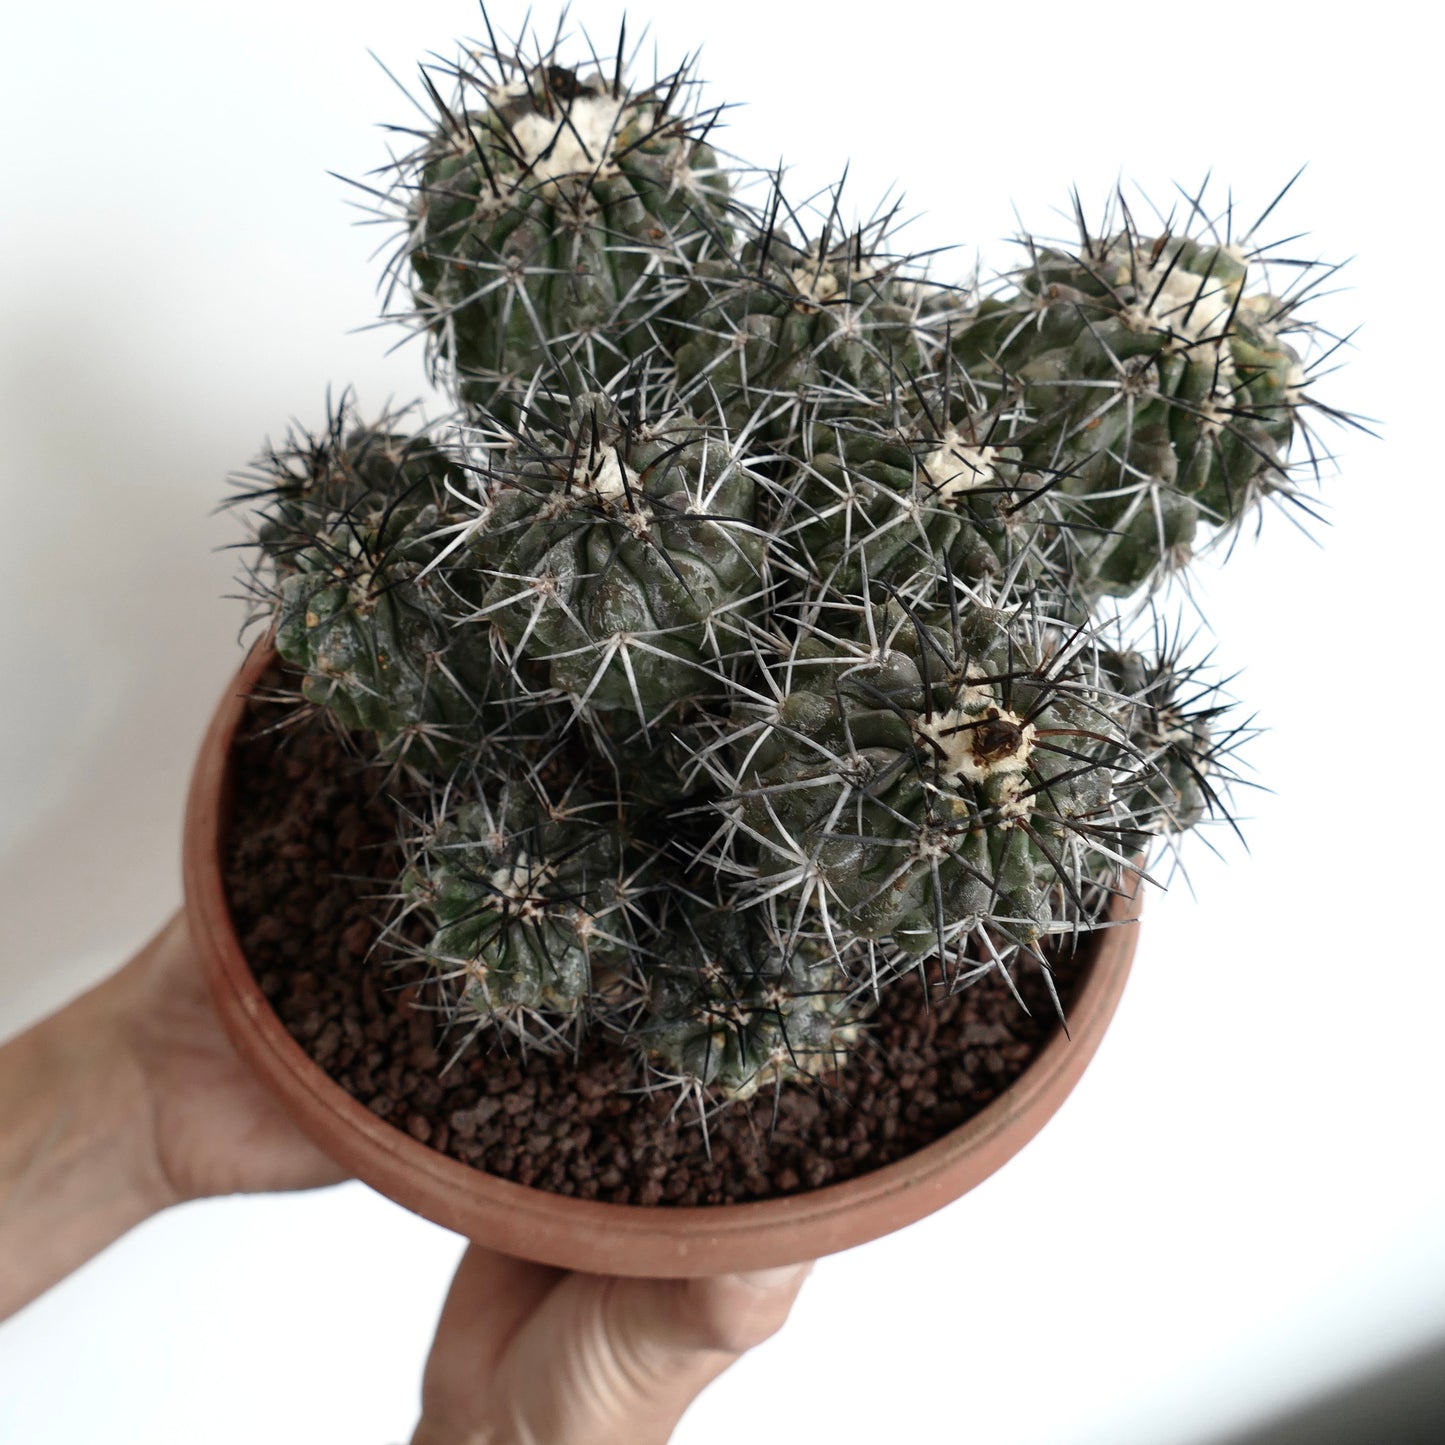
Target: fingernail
[775,1278]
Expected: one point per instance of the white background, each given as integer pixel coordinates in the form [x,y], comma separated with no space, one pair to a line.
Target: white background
[1243,1201]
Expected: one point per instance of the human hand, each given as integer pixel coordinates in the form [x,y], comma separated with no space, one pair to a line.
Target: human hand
[125,1101]
[215,1128]
[529,1355]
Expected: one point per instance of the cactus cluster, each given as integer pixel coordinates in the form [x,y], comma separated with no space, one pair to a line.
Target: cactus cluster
[761,625]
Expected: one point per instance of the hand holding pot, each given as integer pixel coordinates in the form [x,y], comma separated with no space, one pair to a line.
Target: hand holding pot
[126,1101]
[132,1098]
[525,1353]
[217,1128]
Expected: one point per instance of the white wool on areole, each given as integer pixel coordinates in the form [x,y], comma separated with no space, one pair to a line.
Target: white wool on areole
[577,138]
[952,735]
[954,466]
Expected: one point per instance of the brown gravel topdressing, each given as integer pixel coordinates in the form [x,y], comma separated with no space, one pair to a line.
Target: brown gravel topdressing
[311,846]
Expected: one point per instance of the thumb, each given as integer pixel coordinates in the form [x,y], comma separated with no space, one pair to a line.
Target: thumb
[624,1358]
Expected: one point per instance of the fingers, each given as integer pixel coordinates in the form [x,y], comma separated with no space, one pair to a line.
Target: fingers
[214,1127]
[490,1298]
[617,1362]
[731,1313]
[526,1355]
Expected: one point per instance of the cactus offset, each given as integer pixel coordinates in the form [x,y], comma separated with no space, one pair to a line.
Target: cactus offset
[350,526]
[551,218]
[1156,389]
[620,555]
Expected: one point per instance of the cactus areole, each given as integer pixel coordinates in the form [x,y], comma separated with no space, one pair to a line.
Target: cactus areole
[768,619]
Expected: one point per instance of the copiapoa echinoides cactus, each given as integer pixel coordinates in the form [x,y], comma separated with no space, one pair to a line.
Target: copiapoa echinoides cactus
[763,625]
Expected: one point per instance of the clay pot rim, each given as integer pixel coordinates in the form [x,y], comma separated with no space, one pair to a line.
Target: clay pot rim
[659,1240]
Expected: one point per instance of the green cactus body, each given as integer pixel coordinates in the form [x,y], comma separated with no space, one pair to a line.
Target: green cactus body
[549,216]
[1172,723]
[784,328]
[1160,395]
[351,471]
[934,787]
[623,559]
[525,901]
[352,526]
[901,506]
[728,1011]
[746,632]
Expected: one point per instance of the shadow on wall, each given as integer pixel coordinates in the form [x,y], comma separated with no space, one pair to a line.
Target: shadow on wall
[118,642]
[1404,1405]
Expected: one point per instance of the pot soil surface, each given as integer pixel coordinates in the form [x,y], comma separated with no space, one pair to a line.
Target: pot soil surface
[312,850]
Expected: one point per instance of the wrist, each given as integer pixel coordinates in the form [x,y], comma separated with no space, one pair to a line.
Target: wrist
[117,1024]
[77,1153]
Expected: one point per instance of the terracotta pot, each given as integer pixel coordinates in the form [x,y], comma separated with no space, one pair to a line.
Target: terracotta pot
[659,1241]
